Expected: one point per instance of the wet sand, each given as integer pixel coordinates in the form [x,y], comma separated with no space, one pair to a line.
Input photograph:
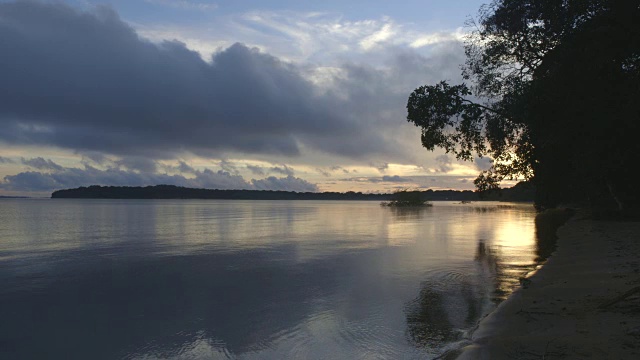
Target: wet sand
[584,303]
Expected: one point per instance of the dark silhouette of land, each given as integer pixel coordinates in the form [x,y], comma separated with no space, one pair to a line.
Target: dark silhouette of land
[520,192]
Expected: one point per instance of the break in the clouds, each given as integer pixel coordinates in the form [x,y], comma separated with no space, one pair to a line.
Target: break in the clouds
[88,82]
[56,177]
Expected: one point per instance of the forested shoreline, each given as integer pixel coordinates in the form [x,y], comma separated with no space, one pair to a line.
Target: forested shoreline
[520,192]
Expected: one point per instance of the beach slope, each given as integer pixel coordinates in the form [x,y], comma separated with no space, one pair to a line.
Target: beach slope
[584,303]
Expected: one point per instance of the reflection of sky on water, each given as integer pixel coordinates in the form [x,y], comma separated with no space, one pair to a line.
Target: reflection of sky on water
[240,279]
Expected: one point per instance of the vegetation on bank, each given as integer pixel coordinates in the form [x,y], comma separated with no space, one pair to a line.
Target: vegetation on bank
[406,198]
[551,96]
[520,192]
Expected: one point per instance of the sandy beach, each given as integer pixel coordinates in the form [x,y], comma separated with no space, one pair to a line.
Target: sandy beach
[584,303]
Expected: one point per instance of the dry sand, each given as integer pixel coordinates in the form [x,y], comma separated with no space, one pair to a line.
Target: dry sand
[559,312]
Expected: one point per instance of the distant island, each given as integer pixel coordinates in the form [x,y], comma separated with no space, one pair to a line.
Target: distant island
[522,191]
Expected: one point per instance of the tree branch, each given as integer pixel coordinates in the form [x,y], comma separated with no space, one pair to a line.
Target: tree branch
[481,106]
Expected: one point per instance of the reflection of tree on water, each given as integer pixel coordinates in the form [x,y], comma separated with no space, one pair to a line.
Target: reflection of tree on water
[443,310]
[428,320]
[409,213]
[547,224]
[503,276]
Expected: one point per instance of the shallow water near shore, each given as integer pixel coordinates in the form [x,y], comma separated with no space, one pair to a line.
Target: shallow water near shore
[185,279]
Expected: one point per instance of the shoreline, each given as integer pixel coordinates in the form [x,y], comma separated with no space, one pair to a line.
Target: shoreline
[574,307]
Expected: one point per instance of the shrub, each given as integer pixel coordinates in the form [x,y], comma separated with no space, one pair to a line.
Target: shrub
[406,198]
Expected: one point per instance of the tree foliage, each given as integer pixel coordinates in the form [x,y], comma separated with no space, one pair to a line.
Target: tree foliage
[553,96]
[406,198]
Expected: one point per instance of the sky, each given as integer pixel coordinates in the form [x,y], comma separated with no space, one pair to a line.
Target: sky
[277,95]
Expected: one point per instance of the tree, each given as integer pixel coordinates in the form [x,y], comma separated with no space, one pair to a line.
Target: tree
[553,98]
[406,198]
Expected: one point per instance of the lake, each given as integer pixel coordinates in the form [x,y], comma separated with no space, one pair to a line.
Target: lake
[213,279]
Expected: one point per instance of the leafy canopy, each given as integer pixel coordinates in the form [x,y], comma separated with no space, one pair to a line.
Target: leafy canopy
[553,92]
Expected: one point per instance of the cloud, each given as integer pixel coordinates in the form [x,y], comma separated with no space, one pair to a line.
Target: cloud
[381,167]
[389,178]
[377,37]
[94,156]
[284,170]
[6,160]
[337,168]
[41,164]
[395,178]
[437,38]
[323,172]
[109,91]
[285,183]
[256,169]
[228,166]
[445,164]
[483,163]
[63,178]
[321,37]
[183,167]
[138,163]
[185,4]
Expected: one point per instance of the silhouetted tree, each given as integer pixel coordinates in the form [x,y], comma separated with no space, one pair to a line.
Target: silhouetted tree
[406,198]
[554,97]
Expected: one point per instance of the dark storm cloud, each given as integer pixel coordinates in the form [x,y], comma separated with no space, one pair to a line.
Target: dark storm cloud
[64,178]
[86,81]
[41,164]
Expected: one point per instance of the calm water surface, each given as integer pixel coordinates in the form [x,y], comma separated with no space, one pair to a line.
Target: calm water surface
[190,279]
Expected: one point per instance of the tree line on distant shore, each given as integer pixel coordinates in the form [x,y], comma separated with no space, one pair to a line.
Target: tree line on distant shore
[553,96]
[520,192]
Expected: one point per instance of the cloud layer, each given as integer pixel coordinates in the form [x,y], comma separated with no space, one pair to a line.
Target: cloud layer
[54,177]
[88,82]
